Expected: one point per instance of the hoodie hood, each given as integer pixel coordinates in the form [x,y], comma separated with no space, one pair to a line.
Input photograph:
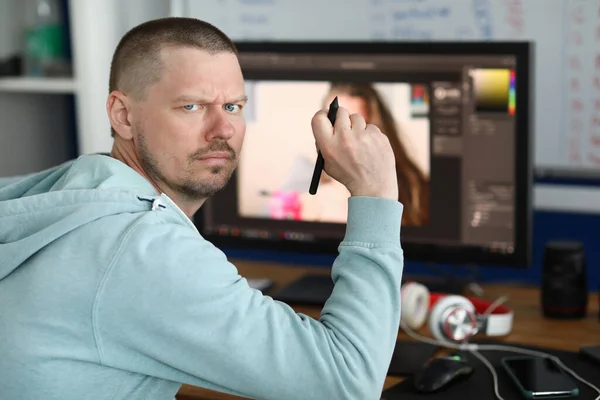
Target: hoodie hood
[38,209]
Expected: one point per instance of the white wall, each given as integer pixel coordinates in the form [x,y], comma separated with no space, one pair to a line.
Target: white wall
[97,27]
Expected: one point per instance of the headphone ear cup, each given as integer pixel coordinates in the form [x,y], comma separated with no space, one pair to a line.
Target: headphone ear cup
[414,305]
[436,324]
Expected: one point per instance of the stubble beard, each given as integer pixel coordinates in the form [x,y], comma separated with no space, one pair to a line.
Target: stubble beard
[190,186]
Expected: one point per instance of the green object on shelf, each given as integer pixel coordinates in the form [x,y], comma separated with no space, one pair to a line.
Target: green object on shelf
[46,42]
[45,47]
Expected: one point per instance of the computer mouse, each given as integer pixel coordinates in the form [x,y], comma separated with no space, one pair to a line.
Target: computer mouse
[440,372]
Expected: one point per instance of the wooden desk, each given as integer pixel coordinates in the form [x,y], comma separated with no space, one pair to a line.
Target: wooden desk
[529,326]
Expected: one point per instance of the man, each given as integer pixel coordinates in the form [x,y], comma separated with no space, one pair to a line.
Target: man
[107,290]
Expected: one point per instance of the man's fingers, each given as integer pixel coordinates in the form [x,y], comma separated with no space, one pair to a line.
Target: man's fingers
[358,122]
[321,127]
[342,120]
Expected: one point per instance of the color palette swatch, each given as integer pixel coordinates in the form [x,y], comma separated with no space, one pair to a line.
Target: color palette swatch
[419,101]
[494,90]
[512,94]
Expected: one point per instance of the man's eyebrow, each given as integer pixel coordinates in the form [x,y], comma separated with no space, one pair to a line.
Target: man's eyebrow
[198,100]
[190,99]
[242,99]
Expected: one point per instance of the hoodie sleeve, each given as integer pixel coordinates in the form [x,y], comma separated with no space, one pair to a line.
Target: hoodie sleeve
[173,307]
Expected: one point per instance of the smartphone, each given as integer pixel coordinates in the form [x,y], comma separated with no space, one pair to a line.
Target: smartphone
[540,378]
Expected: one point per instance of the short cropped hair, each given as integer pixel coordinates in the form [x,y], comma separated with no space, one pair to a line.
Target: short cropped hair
[136,62]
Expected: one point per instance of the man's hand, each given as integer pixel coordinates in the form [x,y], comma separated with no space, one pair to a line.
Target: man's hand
[356,154]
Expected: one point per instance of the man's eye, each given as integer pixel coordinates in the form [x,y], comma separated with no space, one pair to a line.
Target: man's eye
[191,107]
[232,108]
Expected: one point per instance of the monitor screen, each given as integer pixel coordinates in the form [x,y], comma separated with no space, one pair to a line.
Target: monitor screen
[457,116]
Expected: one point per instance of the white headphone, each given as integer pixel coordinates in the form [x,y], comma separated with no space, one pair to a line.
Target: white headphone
[451,317]
[454,319]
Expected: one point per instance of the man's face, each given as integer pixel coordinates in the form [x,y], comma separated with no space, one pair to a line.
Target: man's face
[189,130]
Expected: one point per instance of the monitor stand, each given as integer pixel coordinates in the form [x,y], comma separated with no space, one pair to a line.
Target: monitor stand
[315,289]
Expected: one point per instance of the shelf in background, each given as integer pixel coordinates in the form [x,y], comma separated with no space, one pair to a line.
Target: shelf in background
[37,85]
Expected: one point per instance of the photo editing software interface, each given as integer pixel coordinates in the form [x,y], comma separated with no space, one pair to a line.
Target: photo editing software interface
[450,120]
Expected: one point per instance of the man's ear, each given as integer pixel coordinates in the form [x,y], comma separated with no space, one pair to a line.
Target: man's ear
[118,114]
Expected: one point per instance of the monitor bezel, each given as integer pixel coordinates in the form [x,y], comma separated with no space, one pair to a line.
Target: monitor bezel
[437,253]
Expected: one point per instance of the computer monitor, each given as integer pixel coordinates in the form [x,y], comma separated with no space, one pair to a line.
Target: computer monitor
[457,114]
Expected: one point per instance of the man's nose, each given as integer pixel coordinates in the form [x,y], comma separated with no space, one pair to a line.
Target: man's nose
[221,126]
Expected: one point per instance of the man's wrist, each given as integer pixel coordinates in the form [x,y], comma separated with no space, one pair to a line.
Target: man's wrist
[387,193]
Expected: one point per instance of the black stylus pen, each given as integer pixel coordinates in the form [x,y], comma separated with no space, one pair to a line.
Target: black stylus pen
[314,184]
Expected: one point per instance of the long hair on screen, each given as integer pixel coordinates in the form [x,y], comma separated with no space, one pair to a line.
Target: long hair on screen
[413,185]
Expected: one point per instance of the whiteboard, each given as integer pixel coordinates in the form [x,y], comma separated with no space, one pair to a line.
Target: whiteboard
[566,35]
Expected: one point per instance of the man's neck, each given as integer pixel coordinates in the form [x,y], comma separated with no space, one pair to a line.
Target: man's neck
[127,156]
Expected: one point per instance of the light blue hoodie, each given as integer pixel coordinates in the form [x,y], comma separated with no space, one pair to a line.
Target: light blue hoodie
[108,291]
